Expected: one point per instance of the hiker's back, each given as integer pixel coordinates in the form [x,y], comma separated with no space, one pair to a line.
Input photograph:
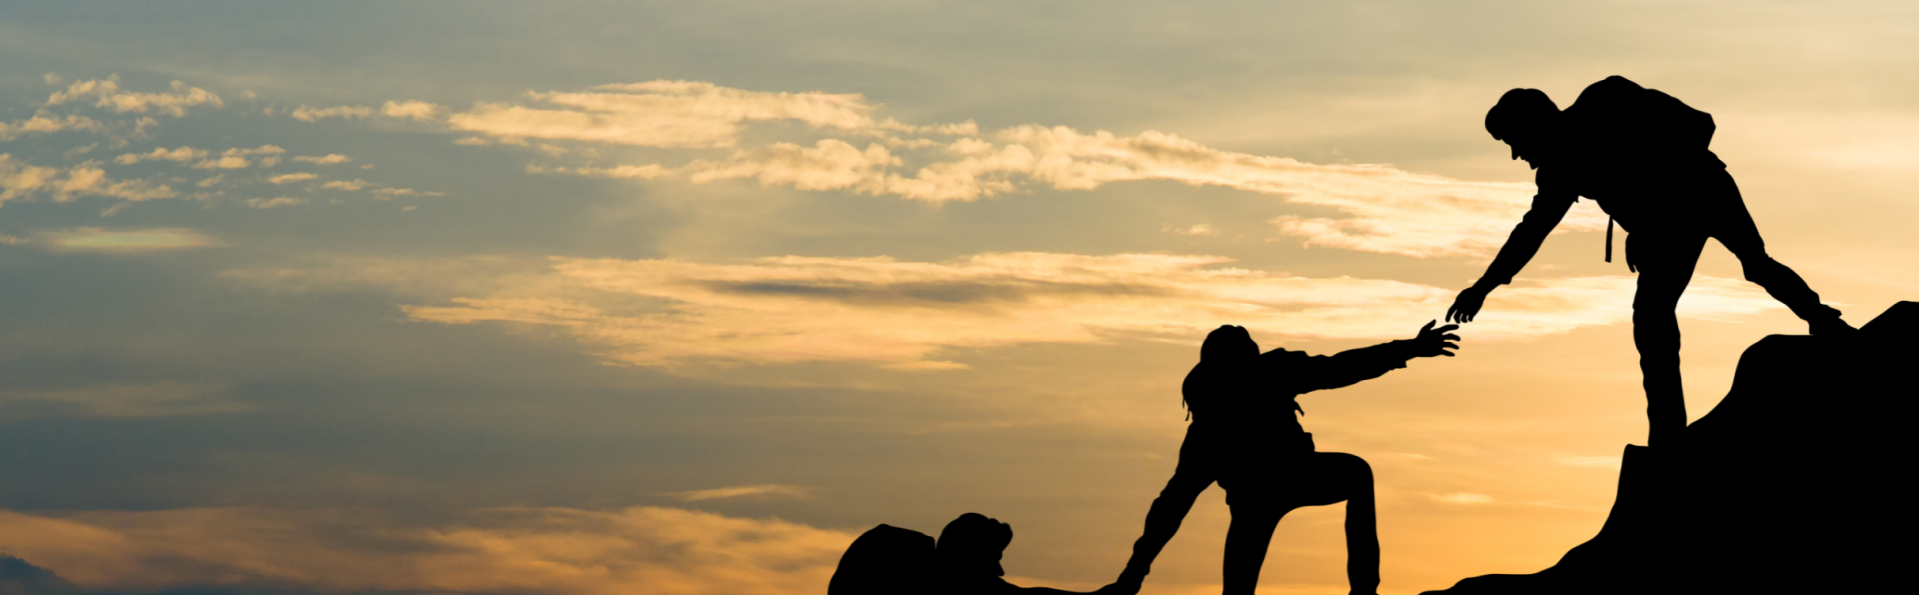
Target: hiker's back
[1616,120]
[886,560]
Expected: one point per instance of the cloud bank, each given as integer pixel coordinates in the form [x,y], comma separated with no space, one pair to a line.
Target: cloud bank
[1386,210]
[658,551]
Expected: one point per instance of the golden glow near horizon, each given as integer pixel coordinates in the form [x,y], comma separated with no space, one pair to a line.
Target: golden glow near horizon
[596,298]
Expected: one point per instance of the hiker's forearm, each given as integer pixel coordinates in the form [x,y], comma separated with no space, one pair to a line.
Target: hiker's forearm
[1352,366]
[1521,246]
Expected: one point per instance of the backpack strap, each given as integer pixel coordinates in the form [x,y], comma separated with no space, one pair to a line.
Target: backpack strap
[1608,239]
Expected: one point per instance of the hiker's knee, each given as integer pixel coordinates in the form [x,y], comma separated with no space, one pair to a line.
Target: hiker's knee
[1350,468]
[1759,268]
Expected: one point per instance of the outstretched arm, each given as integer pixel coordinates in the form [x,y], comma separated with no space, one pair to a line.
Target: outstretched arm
[1547,211]
[1349,367]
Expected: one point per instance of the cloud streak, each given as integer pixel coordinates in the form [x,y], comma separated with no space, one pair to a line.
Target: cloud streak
[764,491]
[125,241]
[684,114]
[659,551]
[902,314]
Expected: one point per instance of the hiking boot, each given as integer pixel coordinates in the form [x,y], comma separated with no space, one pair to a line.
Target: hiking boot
[1830,327]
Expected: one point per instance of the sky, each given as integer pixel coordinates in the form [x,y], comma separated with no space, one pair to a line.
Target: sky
[676,298]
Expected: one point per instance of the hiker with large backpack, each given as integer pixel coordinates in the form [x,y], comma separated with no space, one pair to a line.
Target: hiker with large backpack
[1244,437]
[1642,156]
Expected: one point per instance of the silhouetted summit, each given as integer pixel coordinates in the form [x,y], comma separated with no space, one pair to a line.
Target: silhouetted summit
[1794,483]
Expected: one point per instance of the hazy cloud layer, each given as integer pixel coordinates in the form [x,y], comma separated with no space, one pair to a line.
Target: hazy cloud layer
[125,241]
[659,551]
[131,400]
[894,313]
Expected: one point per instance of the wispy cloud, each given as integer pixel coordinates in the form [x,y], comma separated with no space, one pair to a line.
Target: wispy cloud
[108,94]
[413,110]
[654,550]
[134,400]
[291,178]
[1601,462]
[180,154]
[1462,498]
[269,203]
[126,241]
[314,114]
[746,491]
[238,158]
[1201,229]
[661,114]
[47,124]
[900,314]
[332,159]
[349,186]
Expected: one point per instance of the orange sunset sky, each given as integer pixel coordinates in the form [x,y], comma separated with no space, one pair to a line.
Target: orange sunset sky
[679,297]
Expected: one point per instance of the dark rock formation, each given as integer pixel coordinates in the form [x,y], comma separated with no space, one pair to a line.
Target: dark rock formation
[1792,484]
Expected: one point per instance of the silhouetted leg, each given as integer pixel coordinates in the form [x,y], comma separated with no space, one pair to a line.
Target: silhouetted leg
[1665,263]
[1191,477]
[1737,232]
[1362,524]
[1326,478]
[1247,538]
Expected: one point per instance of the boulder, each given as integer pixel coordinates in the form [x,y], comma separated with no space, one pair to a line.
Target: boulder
[1792,484]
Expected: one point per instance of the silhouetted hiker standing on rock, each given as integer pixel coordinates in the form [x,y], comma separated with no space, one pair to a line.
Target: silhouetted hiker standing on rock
[1641,154]
[1244,437]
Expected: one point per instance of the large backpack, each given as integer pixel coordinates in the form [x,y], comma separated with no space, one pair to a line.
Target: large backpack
[1640,121]
[885,560]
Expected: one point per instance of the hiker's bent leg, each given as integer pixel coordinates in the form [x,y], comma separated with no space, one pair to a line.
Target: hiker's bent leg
[1324,478]
[1247,538]
[1737,232]
[1665,264]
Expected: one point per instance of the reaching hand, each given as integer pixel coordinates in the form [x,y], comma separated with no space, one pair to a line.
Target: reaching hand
[1467,306]
[1435,341]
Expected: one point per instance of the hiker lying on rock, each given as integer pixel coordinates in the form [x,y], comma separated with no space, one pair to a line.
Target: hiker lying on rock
[968,558]
[1244,437]
[888,560]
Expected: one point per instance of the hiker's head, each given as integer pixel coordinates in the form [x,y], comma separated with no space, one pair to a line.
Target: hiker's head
[973,543]
[1524,118]
[1227,343]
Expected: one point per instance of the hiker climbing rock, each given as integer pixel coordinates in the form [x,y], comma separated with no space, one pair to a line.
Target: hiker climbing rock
[1642,156]
[1244,436]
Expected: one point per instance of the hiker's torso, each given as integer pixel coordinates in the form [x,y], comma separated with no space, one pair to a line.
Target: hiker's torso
[1247,417]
